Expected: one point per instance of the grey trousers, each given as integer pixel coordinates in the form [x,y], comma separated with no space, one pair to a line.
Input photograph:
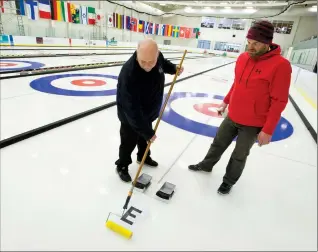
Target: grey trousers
[228,130]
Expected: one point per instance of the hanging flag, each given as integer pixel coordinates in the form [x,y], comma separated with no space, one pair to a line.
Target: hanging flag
[169,30]
[99,21]
[196,32]
[175,31]
[91,16]
[69,13]
[182,32]
[148,28]
[75,12]
[66,12]
[56,10]
[157,29]
[115,19]
[128,23]
[83,15]
[163,30]
[110,20]
[141,26]
[133,24]
[122,22]
[32,9]
[187,32]
[44,9]
[20,10]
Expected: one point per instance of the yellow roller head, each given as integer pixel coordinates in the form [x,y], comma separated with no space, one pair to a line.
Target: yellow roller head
[119,229]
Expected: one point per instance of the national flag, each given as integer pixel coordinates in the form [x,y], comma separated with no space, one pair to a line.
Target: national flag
[75,12]
[66,11]
[156,29]
[128,23]
[100,19]
[115,17]
[44,9]
[83,15]
[175,31]
[141,26]
[122,22]
[196,32]
[20,9]
[163,30]
[148,28]
[32,9]
[169,30]
[56,10]
[187,32]
[133,24]
[182,32]
[110,21]
[91,16]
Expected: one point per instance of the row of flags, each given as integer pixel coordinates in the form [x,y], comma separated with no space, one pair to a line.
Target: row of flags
[133,24]
[73,13]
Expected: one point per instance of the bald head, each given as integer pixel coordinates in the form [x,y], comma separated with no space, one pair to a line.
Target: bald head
[147,54]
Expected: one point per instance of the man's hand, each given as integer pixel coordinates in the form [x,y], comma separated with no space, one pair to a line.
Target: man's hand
[263,138]
[180,71]
[221,109]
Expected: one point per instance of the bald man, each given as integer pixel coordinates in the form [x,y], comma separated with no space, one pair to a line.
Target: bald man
[139,99]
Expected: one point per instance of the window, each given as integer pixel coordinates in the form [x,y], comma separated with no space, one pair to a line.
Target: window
[208,22]
[227,47]
[235,24]
[225,23]
[282,27]
[238,24]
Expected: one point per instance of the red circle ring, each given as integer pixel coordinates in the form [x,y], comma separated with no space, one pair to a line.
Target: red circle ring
[94,83]
[5,64]
[204,108]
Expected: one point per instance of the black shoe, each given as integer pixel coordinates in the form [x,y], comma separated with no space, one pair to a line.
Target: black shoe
[148,161]
[197,167]
[123,174]
[224,188]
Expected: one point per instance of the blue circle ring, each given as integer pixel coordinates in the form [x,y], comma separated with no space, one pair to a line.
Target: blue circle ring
[44,85]
[283,130]
[33,65]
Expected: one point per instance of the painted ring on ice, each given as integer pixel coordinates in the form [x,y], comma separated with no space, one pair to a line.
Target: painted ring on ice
[283,130]
[44,85]
[31,65]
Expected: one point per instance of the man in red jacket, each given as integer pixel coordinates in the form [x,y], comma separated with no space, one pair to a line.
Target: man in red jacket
[256,100]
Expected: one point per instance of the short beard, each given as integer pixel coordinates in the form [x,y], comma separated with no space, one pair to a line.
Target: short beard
[260,53]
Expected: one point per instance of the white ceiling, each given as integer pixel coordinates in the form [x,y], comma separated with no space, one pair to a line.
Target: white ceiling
[239,9]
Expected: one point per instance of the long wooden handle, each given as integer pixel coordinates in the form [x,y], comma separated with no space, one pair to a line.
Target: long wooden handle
[155,129]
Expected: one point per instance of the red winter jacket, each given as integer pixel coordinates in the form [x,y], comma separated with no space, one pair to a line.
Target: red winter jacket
[260,90]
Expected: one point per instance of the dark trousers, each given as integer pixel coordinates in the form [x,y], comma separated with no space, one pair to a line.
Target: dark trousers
[228,130]
[128,141]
